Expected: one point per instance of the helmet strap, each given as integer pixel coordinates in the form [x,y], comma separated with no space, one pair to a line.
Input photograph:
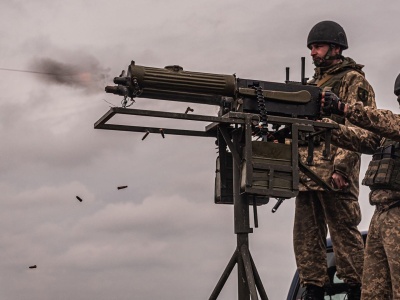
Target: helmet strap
[328,53]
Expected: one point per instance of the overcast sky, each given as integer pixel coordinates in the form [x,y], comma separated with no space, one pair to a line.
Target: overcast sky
[162,237]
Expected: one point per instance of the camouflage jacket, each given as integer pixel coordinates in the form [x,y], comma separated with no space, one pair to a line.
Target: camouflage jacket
[380,124]
[347,80]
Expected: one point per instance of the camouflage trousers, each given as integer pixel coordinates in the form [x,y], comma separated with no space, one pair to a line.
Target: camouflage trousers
[381,278]
[315,213]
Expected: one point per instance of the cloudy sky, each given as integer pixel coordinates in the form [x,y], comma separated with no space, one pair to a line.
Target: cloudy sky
[162,237]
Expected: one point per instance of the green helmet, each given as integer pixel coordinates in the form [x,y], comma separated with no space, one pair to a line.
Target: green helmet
[327,32]
[397,86]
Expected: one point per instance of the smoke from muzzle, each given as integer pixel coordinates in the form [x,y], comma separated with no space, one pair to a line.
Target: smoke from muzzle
[87,75]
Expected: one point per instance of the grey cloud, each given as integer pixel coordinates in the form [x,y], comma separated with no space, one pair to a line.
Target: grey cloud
[164,229]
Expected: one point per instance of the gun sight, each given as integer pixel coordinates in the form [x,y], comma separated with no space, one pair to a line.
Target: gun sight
[122,80]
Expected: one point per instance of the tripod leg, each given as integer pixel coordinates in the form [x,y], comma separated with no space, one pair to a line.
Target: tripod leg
[224,276]
[257,278]
[244,251]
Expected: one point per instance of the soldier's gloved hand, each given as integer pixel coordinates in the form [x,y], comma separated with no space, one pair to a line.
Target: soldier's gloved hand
[339,181]
[332,104]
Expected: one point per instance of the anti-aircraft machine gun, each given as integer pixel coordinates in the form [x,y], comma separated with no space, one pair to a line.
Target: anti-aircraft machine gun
[257,132]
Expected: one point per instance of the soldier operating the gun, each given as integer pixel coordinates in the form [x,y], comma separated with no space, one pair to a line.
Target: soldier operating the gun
[318,210]
[381,277]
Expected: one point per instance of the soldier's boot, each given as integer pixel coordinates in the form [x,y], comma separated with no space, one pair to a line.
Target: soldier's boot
[313,292]
[354,292]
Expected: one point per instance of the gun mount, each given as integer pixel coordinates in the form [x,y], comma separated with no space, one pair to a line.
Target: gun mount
[257,160]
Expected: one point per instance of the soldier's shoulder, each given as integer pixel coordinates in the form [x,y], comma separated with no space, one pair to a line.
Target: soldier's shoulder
[352,69]
[354,76]
[360,87]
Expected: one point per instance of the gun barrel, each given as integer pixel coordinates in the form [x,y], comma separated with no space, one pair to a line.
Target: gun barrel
[117,90]
[175,79]
[173,83]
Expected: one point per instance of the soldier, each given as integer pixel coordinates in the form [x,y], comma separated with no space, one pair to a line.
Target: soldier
[318,210]
[381,277]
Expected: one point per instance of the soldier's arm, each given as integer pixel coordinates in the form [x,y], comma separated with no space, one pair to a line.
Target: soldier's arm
[380,121]
[354,138]
[354,87]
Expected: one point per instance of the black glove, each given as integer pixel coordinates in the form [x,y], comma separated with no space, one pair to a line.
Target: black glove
[332,104]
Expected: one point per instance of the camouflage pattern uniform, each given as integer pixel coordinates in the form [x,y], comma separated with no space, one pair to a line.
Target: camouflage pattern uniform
[317,210]
[381,277]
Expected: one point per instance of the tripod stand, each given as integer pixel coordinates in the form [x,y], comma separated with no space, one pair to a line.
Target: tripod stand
[248,278]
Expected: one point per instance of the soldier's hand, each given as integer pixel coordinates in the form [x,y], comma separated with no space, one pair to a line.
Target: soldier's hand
[339,181]
[332,104]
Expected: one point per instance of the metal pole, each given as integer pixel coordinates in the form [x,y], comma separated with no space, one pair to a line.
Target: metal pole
[244,250]
[224,277]
[241,221]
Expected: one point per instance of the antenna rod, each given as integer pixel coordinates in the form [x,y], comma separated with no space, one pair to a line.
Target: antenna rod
[287,74]
[303,70]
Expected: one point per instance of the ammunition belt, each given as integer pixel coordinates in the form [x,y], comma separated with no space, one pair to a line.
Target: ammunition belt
[263,112]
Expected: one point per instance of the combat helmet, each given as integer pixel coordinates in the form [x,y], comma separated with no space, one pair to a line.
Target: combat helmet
[327,32]
[397,86]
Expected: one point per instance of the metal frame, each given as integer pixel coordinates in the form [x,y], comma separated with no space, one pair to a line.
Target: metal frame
[102,122]
[249,281]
